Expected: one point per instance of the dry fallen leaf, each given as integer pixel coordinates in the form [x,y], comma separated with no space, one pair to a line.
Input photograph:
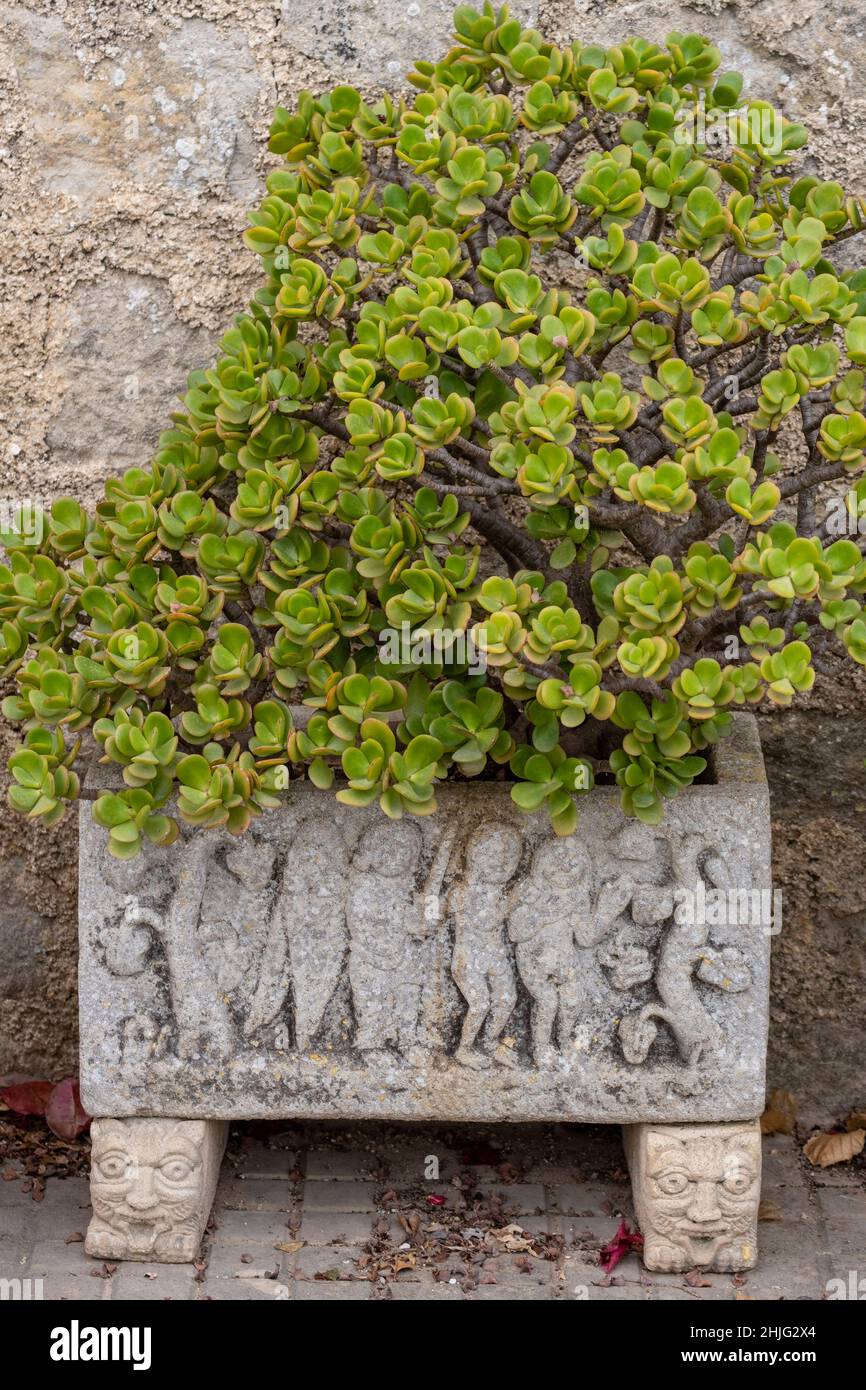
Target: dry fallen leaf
[402,1262]
[769,1211]
[824,1149]
[696,1280]
[74,1239]
[513,1238]
[290,1247]
[856,1120]
[780,1114]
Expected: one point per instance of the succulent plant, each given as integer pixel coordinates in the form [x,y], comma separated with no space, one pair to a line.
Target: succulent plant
[415,492]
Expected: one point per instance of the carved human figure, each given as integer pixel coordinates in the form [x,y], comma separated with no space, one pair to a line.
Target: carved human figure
[684,951]
[481,963]
[197,931]
[557,913]
[235,911]
[642,858]
[307,937]
[696,1191]
[388,927]
[152,1184]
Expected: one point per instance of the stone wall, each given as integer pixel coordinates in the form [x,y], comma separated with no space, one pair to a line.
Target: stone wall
[132,140]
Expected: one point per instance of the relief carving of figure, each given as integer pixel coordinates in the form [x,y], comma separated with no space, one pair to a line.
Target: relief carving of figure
[696,1192]
[389,925]
[557,923]
[200,930]
[307,938]
[685,952]
[481,963]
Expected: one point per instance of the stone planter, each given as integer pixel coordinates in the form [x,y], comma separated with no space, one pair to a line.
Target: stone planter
[467,966]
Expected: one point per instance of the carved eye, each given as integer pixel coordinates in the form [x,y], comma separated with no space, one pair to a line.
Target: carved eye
[738,1182]
[673,1183]
[114,1166]
[176,1169]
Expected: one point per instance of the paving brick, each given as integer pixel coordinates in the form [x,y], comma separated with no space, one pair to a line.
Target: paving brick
[497,1293]
[226,1261]
[319,1259]
[410,1163]
[246,1291]
[339,1196]
[331,1291]
[437,1292]
[262,1162]
[64,1286]
[819,1230]
[518,1270]
[592,1199]
[254,1194]
[361,1165]
[521,1198]
[154,1282]
[251,1228]
[16,1226]
[842,1230]
[323,1228]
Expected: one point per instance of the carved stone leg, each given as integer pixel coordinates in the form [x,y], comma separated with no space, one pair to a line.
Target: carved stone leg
[152,1183]
[696,1190]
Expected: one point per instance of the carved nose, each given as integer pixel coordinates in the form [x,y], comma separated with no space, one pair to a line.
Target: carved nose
[142,1196]
[705,1206]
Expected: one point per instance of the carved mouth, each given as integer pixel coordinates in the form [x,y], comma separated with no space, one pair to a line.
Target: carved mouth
[708,1232]
[142,1236]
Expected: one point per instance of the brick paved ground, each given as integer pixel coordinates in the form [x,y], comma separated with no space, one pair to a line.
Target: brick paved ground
[321,1212]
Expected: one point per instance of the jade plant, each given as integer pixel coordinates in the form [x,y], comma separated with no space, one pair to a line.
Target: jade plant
[517,465]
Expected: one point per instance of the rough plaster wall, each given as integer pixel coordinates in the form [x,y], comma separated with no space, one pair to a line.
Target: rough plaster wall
[131,144]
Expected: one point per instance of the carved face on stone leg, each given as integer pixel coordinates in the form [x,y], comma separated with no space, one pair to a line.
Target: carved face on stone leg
[149,1190]
[701,1193]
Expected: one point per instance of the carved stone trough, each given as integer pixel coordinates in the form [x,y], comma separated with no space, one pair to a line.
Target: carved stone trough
[467,966]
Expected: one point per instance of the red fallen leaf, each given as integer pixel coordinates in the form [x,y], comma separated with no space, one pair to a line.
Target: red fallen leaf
[64,1112]
[28,1097]
[434,1200]
[622,1244]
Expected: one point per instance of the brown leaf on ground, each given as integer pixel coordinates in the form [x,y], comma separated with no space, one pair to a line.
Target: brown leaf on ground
[513,1238]
[404,1261]
[856,1120]
[696,1280]
[290,1247]
[769,1211]
[75,1239]
[824,1149]
[780,1114]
